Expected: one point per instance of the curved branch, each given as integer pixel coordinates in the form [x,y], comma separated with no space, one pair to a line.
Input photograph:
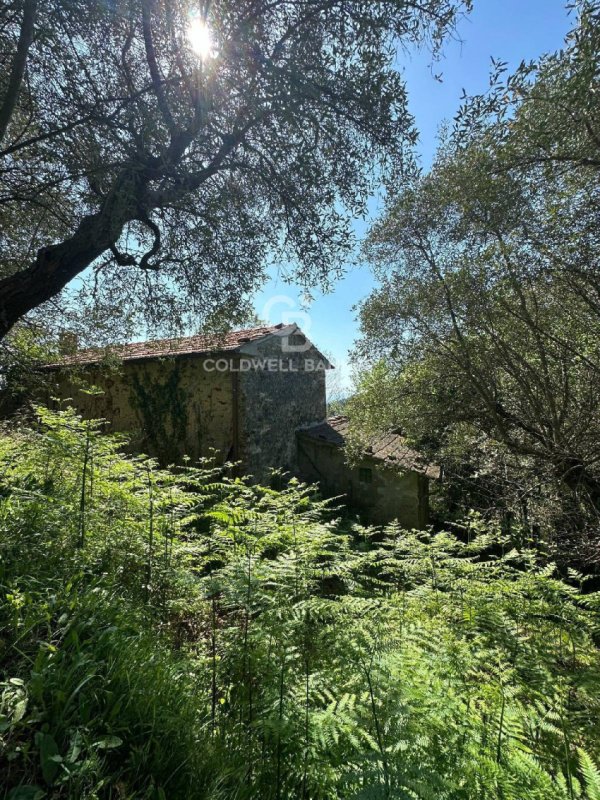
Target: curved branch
[122,259]
[145,260]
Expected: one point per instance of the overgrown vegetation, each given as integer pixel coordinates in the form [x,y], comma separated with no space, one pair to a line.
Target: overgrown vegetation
[182,634]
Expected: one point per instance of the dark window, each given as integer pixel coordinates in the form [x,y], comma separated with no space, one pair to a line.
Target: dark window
[297,340]
[365,475]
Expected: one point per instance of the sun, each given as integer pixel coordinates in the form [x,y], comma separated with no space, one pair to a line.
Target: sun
[200,38]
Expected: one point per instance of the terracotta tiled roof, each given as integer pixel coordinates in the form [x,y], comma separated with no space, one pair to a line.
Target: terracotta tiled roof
[160,348]
[390,448]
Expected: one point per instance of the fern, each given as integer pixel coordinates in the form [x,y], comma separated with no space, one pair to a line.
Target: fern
[591,775]
[246,642]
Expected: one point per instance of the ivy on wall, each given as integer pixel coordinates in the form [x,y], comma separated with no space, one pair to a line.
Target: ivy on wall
[162,407]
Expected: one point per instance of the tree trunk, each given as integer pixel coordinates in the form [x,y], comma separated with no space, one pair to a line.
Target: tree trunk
[52,269]
[58,264]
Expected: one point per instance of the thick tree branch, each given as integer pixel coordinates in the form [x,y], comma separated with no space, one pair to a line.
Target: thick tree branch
[157,81]
[15,80]
[58,264]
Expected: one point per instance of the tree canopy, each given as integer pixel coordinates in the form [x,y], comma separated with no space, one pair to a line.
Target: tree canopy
[175,147]
[488,313]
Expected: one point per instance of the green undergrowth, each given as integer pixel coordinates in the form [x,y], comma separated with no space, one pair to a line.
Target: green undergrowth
[183,634]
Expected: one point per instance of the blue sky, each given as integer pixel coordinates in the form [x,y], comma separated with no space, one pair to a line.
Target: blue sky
[510,30]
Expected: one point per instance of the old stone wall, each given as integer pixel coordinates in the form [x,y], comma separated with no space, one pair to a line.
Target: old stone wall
[192,405]
[381,494]
[274,401]
[169,407]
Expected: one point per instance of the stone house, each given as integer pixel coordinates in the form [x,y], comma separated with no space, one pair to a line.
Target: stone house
[242,397]
[390,480]
[238,397]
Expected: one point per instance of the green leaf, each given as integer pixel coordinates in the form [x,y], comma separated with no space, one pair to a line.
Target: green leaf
[108,743]
[48,750]
[26,793]
[19,710]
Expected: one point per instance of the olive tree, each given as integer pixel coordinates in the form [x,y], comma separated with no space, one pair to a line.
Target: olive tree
[486,323]
[176,147]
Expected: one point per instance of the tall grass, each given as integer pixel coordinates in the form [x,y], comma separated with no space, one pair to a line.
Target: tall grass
[181,634]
